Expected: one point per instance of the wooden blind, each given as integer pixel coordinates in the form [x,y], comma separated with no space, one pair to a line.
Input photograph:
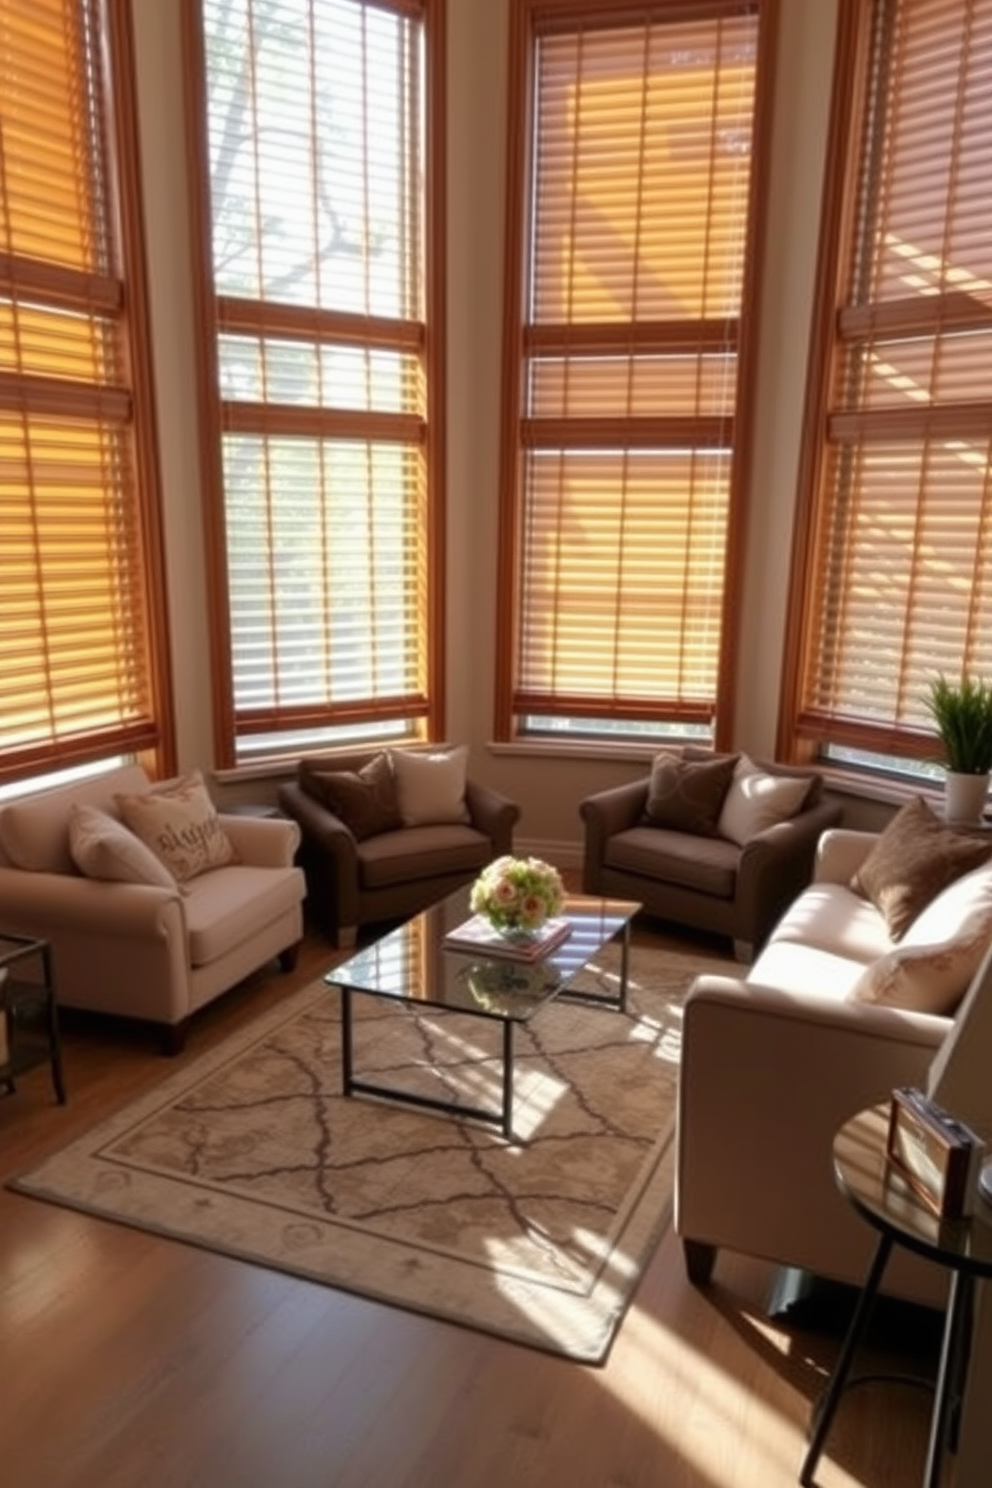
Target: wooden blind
[76,668]
[900,555]
[317,123]
[638,170]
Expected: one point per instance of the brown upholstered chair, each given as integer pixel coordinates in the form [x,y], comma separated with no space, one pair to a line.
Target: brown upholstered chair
[702,878]
[375,866]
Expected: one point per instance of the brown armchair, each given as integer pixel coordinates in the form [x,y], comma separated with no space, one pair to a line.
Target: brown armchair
[691,873]
[383,835]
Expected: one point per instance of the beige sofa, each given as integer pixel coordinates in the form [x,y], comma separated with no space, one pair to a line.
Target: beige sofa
[149,950]
[775,1061]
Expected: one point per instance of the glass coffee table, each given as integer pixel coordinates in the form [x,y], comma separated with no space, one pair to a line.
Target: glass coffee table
[414,966]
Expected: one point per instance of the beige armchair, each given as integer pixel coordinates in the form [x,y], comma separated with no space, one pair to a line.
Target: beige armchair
[386,833]
[735,886]
[128,938]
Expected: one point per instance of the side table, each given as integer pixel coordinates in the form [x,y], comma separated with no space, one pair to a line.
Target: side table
[29,1021]
[964,1246]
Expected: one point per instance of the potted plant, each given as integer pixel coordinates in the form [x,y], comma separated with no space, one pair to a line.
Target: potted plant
[962,712]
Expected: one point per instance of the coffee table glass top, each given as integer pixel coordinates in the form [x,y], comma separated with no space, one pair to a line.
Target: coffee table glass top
[413,964]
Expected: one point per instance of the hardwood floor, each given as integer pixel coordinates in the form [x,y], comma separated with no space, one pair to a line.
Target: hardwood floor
[129,1361]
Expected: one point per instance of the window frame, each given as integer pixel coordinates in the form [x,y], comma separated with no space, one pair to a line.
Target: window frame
[329,723]
[901,743]
[119,407]
[620,720]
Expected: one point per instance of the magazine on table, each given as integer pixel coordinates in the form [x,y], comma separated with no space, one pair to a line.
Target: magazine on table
[478,936]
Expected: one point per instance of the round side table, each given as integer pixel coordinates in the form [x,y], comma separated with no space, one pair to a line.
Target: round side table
[964,1246]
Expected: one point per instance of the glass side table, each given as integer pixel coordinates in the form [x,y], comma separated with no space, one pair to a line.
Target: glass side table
[29,1020]
[962,1246]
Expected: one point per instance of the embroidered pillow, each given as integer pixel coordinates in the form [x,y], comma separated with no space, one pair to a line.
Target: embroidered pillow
[687,795]
[915,857]
[430,785]
[104,848]
[757,800]
[365,799]
[179,822]
[930,969]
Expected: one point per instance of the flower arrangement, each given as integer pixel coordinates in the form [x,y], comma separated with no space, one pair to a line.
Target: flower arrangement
[518,894]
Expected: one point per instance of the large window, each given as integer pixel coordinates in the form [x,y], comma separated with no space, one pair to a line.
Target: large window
[322,385]
[83,674]
[893,580]
[632,174]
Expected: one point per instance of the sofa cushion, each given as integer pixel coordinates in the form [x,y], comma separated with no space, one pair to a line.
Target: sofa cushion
[707,865]
[34,830]
[104,848]
[915,857]
[686,795]
[757,800]
[430,785]
[364,799]
[802,970]
[939,954]
[179,822]
[228,905]
[421,852]
[834,918]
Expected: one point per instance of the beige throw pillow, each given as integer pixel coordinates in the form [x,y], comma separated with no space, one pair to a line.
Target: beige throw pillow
[687,795]
[430,785]
[939,954]
[757,800]
[103,848]
[913,860]
[179,822]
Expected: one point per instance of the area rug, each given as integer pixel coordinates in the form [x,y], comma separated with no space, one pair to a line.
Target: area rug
[252,1151]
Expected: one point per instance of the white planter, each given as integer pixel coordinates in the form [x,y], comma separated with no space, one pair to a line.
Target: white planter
[965,797]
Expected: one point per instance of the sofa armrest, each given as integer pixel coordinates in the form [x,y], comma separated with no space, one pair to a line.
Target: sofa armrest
[840,853]
[492,813]
[766,1079]
[262,842]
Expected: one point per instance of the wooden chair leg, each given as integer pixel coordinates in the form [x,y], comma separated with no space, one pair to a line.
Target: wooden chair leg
[700,1259]
[288,957]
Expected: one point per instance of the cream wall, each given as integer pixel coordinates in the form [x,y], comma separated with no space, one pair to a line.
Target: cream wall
[547,783]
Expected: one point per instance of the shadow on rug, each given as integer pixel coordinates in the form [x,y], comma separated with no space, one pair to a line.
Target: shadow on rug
[252,1151]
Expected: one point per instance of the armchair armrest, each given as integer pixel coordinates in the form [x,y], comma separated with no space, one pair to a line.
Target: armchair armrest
[492,813]
[262,842]
[840,853]
[606,813]
[44,903]
[776,865]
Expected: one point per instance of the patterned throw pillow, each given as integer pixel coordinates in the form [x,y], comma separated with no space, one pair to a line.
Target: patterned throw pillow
[688,795]
[930,969]
[179,822]
[915,857]
[365,799]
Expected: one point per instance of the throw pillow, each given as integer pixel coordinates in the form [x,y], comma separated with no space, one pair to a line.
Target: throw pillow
[687,795]
[365,799]
[757,800]
[103,848]
[179,822]
[939,954]
[430,785]
[914,858]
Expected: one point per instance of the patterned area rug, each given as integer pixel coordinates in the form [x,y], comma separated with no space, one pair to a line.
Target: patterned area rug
[253,1152]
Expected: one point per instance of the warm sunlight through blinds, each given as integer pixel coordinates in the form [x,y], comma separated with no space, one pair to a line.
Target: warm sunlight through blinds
[640,161]
[902,580]
[75,669]
[316,122]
